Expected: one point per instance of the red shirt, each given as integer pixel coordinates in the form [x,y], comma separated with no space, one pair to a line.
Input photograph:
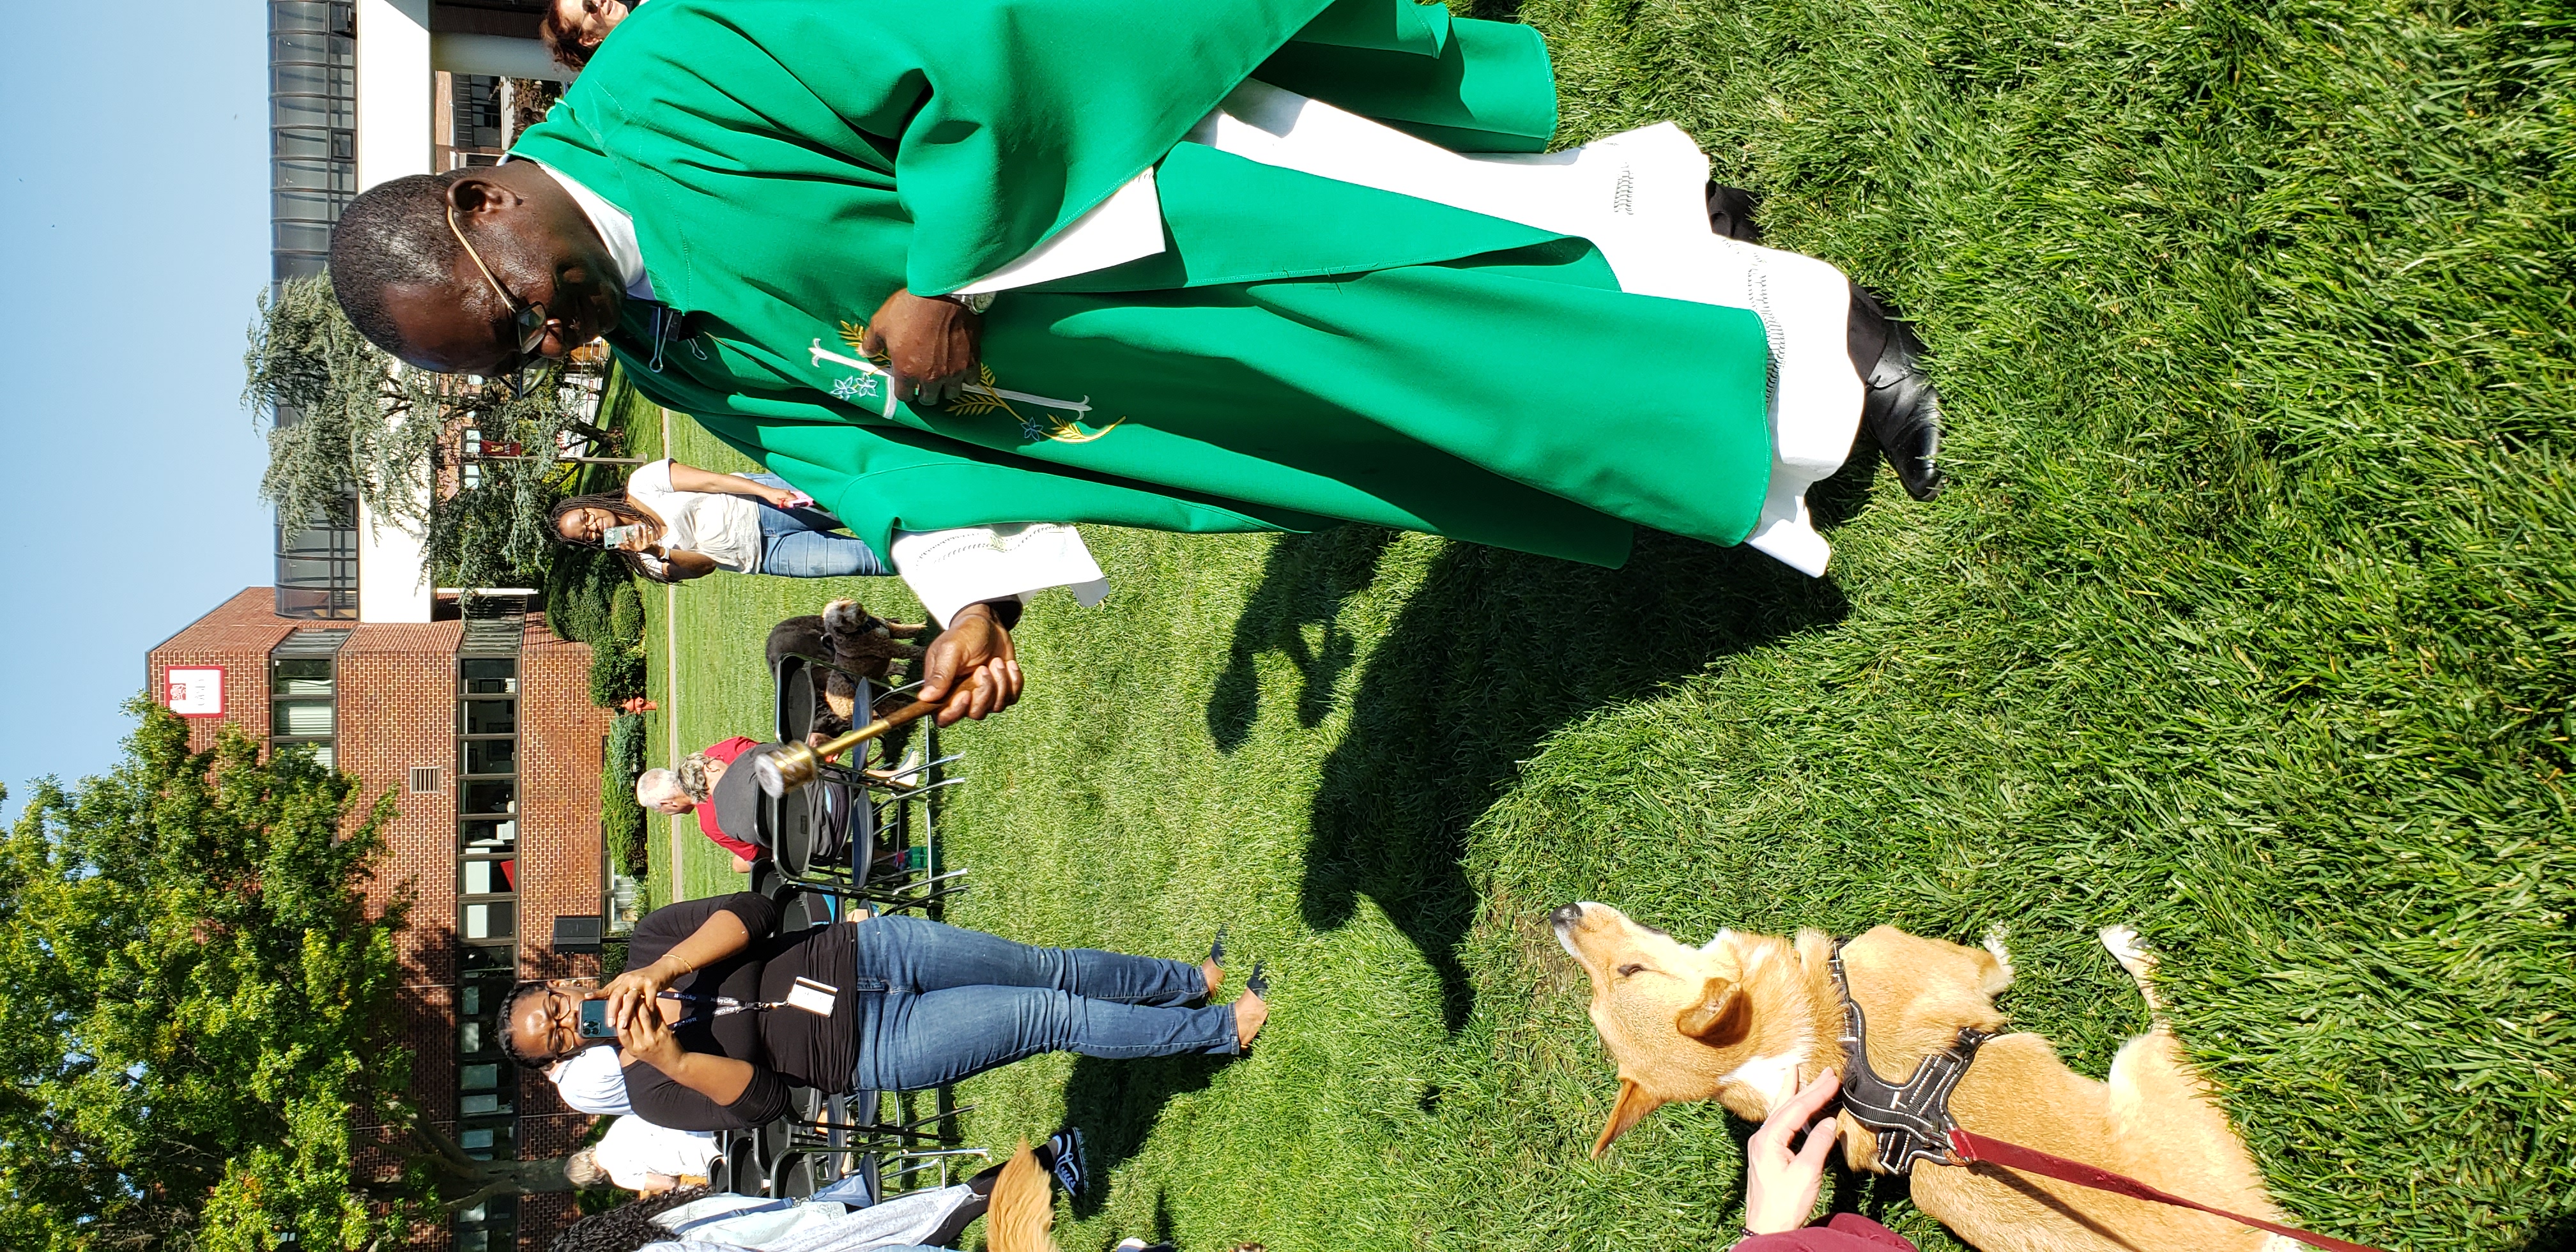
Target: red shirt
[726,752]
[1846,1232]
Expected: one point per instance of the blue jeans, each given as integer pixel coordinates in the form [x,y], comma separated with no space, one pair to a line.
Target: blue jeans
[803,543]
[948,1003]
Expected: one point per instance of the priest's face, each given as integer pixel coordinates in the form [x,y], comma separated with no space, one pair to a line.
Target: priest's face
[551,287]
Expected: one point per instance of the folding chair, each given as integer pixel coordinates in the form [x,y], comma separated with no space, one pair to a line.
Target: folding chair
[825,1138]
[851,834]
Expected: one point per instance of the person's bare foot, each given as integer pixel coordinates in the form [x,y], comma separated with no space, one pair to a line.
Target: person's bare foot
[1214,973]
[1249,1014]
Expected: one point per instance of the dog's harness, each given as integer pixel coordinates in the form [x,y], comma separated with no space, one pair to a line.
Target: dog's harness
[1912,1121]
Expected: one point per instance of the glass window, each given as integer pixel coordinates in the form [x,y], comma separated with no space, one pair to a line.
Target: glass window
[497,920]
[484,878]
[301,676]
[491,756]
[483,1104]
[491,717]
[313,111]
[478,1077]
[490,838]
[310,79]
[490,675]
[501,959]
[301,236]
[491,796]
[313,206]
[298,718]
[311,46]
[471,1038]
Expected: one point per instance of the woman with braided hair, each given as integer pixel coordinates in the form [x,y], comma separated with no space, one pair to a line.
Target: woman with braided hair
[837,1219]
[719,1013]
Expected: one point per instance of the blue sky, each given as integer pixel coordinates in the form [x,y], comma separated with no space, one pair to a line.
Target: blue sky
[133,240]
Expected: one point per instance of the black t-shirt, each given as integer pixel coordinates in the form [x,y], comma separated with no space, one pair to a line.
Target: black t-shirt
[786,1046]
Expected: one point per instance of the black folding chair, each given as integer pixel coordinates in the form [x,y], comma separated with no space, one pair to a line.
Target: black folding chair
[853,834]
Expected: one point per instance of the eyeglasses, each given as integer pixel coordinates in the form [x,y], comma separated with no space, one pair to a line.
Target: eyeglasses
[528,319]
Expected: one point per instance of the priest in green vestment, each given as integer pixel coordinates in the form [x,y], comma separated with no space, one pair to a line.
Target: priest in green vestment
[1195,265]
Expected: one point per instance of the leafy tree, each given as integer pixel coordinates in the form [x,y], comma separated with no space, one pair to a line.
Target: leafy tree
[351,419]
[201,1012]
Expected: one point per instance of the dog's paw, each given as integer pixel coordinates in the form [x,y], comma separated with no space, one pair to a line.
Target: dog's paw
[2129,948]
[1994,943]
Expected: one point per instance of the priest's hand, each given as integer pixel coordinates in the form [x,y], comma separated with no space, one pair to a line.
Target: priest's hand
[931,344]
[970,667]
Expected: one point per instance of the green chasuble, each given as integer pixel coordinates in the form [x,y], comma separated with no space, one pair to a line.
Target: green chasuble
[1304,351]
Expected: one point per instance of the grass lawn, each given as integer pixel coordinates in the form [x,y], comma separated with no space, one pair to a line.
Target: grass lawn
[2250,619]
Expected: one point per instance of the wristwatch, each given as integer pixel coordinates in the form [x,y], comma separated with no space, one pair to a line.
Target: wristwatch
[976,303]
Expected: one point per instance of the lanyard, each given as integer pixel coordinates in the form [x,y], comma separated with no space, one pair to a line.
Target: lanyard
[725,1006]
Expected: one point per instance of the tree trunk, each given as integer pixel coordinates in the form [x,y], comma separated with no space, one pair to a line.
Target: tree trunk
[496,1178]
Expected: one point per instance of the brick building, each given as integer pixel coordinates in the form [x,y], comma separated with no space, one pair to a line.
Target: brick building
[484,732]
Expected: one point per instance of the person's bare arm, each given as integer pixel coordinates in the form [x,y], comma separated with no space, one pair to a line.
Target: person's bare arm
[634,993]
[648,1038]
[691,478]
[686,564]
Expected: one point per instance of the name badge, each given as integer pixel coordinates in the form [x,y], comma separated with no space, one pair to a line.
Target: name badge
[811,996]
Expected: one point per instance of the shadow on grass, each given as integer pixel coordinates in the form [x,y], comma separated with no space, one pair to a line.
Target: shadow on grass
[1116,1103]
[1490,656]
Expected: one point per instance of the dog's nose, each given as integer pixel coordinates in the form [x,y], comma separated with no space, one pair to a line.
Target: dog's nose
[1565,915]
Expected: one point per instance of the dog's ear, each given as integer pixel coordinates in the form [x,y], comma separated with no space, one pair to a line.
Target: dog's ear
[1722,1015]
[1632,1108]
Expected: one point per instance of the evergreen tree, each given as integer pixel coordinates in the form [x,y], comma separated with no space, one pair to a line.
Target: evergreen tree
[353,423]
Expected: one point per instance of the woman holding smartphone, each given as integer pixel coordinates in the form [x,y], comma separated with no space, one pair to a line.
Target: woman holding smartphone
[719,1013]
[677,521]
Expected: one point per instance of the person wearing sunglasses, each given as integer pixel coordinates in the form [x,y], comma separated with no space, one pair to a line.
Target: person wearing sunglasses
[572,29]
[1192,265]
[720,1012]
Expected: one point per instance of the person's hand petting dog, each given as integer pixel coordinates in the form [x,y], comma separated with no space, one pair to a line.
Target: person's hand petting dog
[970,667]
[1780,1186]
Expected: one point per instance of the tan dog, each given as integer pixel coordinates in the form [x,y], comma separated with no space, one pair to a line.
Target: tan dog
[1023,1207]
[1748,1019]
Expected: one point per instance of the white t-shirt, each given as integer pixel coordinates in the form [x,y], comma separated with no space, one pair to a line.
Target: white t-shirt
[591,1082]
[634,1148]
[723,528]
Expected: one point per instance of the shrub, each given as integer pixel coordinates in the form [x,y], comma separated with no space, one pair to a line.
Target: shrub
[616,674]
[581,590]
[626,614]
[621,818]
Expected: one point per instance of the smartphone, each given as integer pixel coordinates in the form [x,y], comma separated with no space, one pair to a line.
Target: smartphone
[594,1020]
[615,537]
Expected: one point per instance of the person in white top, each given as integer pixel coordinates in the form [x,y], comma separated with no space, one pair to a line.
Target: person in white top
[639,1156]
[591,1081]
[688,523]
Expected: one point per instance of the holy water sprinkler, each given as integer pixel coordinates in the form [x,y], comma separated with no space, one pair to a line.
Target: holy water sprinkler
[791,766]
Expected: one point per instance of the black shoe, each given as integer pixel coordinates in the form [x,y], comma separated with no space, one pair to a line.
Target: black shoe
[1730,213]
[1899,409]
[1061,1155]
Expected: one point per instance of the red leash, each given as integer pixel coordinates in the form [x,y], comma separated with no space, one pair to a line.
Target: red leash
[1968,1145]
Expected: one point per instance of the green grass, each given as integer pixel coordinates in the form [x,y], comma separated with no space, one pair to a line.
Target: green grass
[2248,620]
